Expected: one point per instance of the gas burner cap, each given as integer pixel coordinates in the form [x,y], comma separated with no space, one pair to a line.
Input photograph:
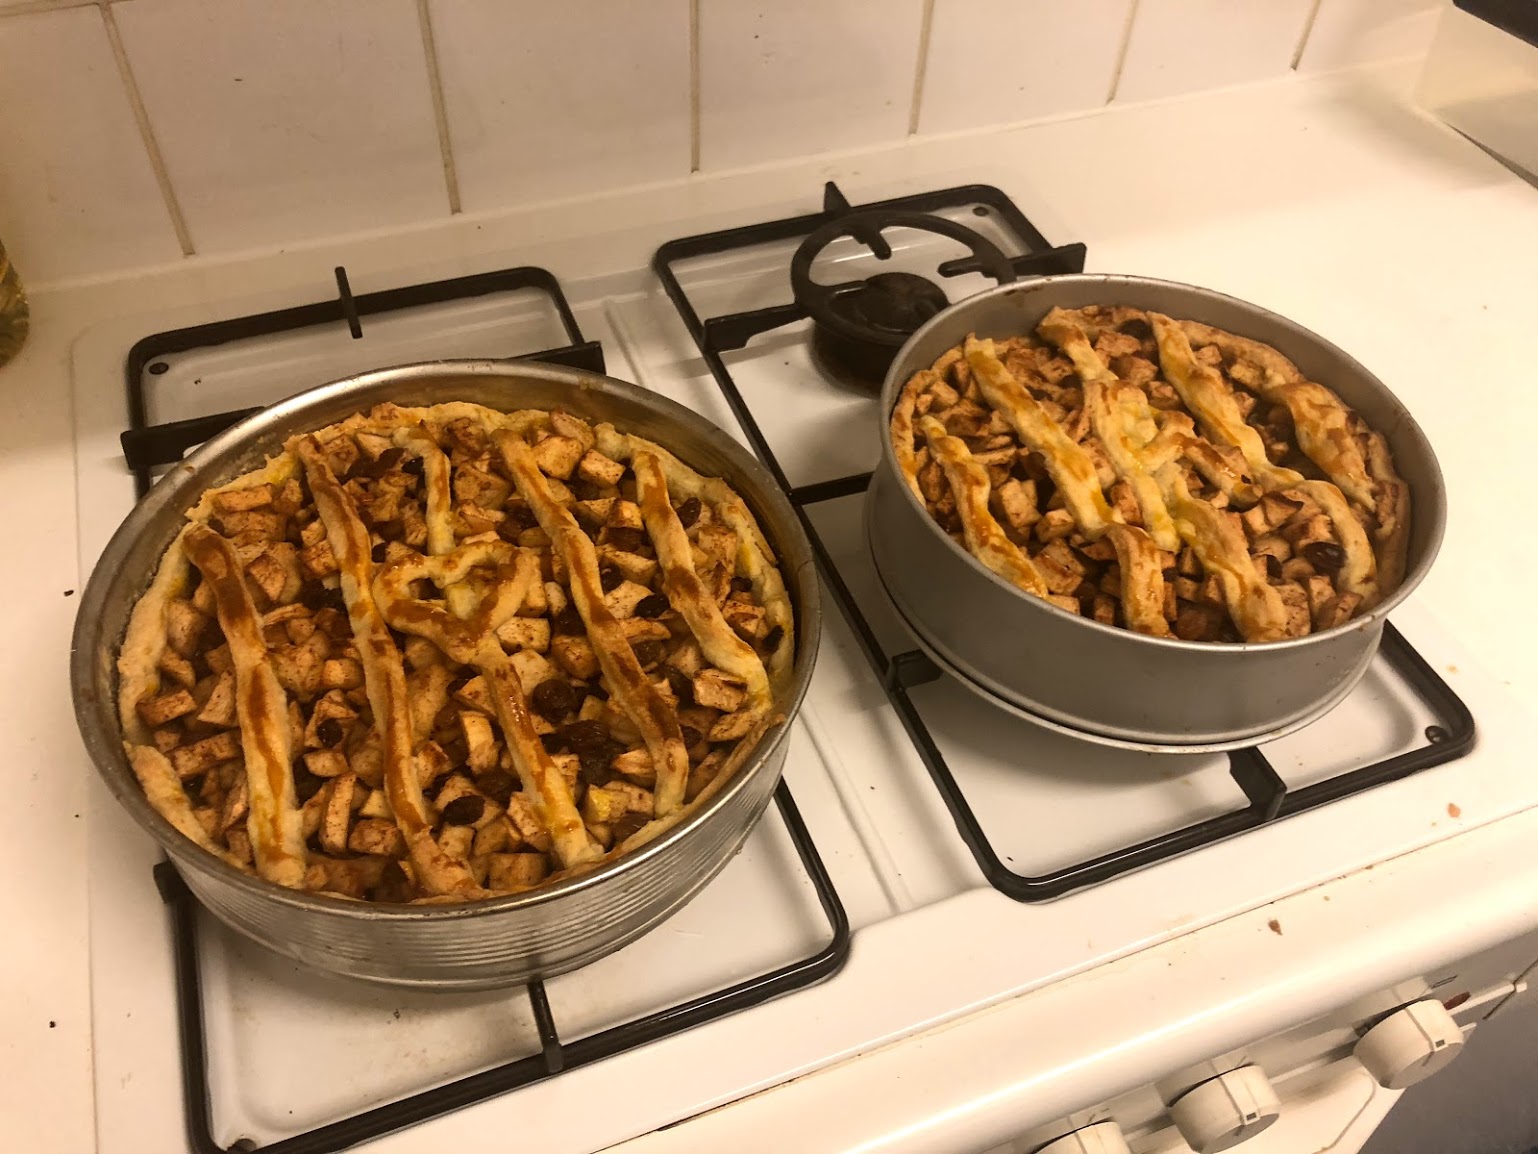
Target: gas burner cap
[860,325]
[891,302]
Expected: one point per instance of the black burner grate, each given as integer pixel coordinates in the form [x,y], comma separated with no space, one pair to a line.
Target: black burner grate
[1268,796]
[147,447]
[555,1056]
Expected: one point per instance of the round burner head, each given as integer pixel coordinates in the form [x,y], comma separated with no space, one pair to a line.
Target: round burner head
[860,325]
[891,302]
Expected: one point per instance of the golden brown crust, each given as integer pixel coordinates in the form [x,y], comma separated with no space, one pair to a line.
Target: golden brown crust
[262,706]
[163,789]
[1142,580]
[755,557]
[1065,460]
[1320,417]
[463,630]
[684,482]
[464,621]
[1255,606]
[1204,393]
[1225,474]
[384,677]
[1324,435]
[437,499]
[985,538]
[1121,418]
[551,795]
[145,641]
[722,647]
[1275,368]
[1392,507]
[627,682]
[1359,573]
[902,428]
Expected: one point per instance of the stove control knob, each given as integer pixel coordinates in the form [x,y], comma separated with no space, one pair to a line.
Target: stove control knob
[1411,1044]
[1230,1109]
[1101,1138]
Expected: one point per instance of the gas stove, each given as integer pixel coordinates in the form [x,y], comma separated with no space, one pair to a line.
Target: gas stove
[929,855]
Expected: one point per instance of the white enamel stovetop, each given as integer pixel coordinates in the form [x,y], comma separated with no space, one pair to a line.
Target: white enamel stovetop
[290,1051]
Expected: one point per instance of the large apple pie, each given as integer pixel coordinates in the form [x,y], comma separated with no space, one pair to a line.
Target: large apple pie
[1156,474]
[446,653]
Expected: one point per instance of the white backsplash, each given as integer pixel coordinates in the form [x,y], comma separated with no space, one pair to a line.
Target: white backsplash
[976,72]
[1349,32]
[553,99]
[781,80]
[77,191]
[286,119]
[135,132]
[1180,46]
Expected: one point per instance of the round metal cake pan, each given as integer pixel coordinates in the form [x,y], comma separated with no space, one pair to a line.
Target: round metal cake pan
[1097,681]
[499,941]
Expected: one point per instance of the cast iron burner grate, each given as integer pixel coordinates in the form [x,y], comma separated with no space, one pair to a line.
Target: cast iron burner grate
[1267,794]
[147,447]
[860,325]
[556,1055]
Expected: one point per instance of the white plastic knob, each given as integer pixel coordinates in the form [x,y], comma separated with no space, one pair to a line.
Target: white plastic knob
[1410,1045]
[1101,1138]
[1230,1109]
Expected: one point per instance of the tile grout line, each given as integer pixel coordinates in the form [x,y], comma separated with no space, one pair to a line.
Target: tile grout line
[921,68]
[37,6]
[440,107]
[146,130]
[1121,52]
[1308,30]
[694,85]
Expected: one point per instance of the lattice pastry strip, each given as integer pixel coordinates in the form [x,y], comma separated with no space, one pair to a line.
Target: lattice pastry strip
[984,537]
[681,583]
[1320,417]
[1357,460]
[464,628]
[384,677]
[1121,418]
[1066,460]
[637,696]
[1204,393]
[755,559]
[262,707]
[1256,607]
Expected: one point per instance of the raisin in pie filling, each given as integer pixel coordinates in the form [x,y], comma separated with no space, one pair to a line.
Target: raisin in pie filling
[441,654]
[1156,474]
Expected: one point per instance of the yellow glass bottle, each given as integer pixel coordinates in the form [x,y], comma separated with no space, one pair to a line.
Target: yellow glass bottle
[15,319]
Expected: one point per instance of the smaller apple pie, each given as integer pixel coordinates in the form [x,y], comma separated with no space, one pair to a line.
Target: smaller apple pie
[445,653]
[1156,474]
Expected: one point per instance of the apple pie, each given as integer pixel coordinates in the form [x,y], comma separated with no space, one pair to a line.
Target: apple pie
[440,654]
[1156,474]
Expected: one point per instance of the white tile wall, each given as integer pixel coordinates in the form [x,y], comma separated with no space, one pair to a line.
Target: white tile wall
[782,78]
[999,61]
[546,99]
[1348,32]
[1186,45]
[279,120]
[286,119]
[77,193]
